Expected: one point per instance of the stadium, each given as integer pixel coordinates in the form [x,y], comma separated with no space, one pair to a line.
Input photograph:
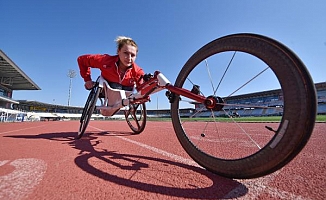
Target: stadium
[13,78]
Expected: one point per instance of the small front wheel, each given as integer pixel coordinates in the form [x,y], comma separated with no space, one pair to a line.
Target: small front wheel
[88,110]
[136,117]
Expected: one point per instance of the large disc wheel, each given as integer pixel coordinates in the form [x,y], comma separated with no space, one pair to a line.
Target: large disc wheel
[88,110]
[229,72]
[136,117]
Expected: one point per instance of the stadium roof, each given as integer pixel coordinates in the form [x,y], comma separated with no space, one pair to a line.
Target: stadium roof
[12,77]
[8,100]
[318,86]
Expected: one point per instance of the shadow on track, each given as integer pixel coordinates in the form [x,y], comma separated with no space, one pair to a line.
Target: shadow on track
[220,187]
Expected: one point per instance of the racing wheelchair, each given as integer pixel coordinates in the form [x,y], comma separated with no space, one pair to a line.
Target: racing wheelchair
[211,83]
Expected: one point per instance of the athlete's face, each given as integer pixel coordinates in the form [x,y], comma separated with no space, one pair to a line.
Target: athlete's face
[127,55]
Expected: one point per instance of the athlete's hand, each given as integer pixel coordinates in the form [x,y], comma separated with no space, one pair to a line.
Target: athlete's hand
[89,84]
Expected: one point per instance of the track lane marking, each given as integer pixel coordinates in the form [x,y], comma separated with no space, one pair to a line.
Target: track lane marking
[259,186]
[20,182]
[159,151]
[256,186]
[21,129]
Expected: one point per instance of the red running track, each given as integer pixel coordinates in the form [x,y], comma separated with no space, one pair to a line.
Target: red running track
[41,160]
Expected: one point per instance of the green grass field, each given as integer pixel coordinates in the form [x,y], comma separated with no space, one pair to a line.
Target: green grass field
[321,118]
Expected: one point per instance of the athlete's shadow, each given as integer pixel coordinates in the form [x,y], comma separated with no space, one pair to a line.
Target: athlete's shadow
[219,187]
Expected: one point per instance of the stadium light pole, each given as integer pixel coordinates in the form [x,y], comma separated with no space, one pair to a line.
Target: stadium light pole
[71,74]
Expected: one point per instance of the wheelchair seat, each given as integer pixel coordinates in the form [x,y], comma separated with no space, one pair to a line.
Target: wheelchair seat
[111,97]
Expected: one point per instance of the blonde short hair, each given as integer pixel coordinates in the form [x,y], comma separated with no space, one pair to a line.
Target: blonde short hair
[122,40]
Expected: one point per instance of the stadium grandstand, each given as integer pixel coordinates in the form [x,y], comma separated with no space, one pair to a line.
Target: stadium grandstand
[13,78]
[266,103]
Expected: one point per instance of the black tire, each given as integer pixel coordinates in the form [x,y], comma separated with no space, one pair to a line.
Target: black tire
[136,117]
[88,110]
[233,149]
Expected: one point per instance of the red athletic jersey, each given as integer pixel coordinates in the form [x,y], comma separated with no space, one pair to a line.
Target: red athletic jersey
[109,69]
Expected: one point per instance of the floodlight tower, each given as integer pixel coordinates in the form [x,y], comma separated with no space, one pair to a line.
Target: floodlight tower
[71,74]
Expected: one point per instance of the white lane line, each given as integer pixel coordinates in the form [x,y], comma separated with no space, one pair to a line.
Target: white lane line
[20,183]
[159,151]
[162,152]
[3,162]
[259,186]
[256,187]
[21,129]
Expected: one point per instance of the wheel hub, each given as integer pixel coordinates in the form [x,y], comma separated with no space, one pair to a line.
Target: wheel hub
[214,103]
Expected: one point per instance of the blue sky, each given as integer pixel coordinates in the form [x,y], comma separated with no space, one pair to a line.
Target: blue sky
[44,38]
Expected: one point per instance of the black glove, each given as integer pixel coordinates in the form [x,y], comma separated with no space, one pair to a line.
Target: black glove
[147,77]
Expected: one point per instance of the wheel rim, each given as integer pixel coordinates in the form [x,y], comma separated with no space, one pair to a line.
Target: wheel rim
[136,117]
[88,110]
[210,136]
